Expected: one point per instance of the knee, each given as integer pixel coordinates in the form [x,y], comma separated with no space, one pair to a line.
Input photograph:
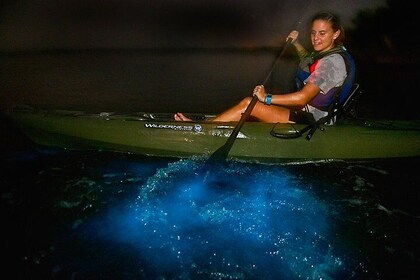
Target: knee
[245,102]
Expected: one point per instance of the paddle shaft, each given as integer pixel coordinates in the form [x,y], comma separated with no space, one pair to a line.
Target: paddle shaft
[279,55]
[222,152]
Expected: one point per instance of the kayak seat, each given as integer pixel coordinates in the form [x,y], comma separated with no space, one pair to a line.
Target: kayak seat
[343,104]
[339,110]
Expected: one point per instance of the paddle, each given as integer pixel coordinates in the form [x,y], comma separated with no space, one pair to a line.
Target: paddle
[221,154]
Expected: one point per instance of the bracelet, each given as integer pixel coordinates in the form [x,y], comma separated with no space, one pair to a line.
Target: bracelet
[267,100]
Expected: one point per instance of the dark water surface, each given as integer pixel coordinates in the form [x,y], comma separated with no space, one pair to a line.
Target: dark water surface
[133,81]
[92,215]
[71,215]
[200,81]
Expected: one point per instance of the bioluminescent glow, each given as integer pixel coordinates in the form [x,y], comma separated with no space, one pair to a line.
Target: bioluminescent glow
[239,223]
[100,215]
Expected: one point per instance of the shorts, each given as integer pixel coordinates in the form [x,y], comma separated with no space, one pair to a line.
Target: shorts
[308,115]
[301,117]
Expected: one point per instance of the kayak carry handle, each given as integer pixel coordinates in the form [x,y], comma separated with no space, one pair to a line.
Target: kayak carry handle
[296,133]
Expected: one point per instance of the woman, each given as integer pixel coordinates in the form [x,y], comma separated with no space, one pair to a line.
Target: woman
[328,73]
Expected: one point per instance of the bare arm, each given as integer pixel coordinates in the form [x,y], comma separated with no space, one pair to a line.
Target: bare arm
[295,99]
[301,51]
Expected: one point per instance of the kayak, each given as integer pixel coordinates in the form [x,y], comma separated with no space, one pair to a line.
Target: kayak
[157,134]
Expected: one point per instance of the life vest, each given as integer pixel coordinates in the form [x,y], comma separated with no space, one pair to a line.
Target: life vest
[337,95]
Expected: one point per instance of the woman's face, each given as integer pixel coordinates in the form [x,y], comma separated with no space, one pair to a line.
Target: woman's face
[323,36]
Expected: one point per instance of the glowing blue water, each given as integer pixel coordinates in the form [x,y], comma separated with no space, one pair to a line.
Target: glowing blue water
[245,223]
[106,216]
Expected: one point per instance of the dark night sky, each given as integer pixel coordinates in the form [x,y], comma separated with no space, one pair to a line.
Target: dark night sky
[73,24]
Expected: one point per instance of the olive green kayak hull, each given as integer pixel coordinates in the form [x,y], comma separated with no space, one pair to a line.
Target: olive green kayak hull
[158,135]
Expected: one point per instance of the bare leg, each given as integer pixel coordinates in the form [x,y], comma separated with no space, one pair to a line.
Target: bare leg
[181,117]
[270,113]
[234,113]
[264,113]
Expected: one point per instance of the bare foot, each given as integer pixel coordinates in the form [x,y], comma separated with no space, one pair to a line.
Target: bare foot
[180,117]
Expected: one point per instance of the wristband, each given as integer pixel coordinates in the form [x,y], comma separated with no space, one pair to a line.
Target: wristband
[267,100]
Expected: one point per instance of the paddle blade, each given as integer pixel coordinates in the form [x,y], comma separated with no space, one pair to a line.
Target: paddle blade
[220,155]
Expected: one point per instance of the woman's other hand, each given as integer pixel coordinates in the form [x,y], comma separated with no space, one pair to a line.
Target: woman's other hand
[293,35]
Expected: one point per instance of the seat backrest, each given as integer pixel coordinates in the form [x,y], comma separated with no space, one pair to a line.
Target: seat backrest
[348,86]
[351,97]
[345,95]
[348,107]
[338,111]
